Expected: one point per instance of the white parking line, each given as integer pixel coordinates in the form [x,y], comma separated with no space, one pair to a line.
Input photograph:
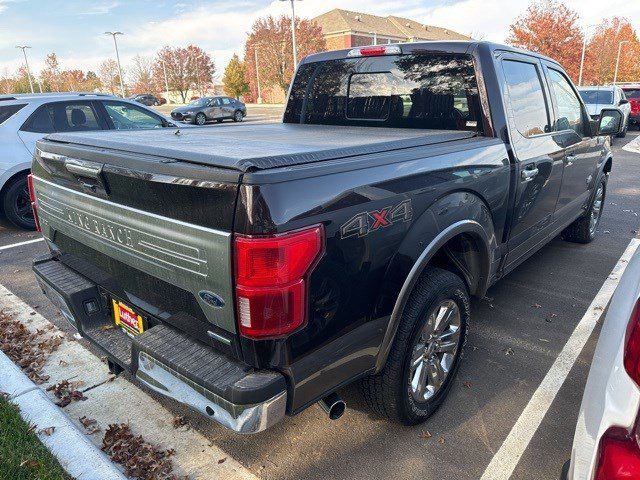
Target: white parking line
[505,460]
[20,244]
[633,146]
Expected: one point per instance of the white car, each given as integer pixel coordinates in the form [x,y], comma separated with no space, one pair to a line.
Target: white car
[597,98]
[605,445]
[26,118]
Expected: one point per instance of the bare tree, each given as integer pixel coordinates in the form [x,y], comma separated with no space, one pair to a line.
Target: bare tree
[142,76]
[109,75]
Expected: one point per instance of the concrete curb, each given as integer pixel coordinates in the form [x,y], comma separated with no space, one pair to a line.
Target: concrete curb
[84,460]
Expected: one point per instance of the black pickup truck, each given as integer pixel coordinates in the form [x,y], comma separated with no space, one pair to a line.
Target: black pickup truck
[254,270]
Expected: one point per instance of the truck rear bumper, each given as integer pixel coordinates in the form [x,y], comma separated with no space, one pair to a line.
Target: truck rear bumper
[166,360]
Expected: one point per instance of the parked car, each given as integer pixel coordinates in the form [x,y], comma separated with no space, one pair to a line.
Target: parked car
[632,92]
[605,446]
[255,271]
[204,109]
[26,118]
[597,98]
[148,100]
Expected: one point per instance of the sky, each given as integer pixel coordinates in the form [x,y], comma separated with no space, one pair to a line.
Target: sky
[74,28]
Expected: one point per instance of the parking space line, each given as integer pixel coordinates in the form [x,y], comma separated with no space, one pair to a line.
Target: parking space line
[507,457]
[19,244]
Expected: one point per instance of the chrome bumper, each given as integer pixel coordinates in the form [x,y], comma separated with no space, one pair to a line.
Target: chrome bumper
[239,418]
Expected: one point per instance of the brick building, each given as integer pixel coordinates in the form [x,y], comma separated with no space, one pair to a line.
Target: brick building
[345,29]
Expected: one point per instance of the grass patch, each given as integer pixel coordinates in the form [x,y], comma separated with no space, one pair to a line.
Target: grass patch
[22,456]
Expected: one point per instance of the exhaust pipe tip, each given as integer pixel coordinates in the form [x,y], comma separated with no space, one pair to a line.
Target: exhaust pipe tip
[333,405]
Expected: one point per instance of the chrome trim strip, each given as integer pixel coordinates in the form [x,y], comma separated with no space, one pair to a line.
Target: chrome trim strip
[188,256]
[239,418]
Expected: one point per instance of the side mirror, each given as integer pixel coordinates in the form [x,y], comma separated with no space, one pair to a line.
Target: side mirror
[610,122]
[623,101]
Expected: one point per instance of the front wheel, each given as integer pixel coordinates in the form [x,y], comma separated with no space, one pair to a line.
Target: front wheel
[200,119]
[238,117]
[425,356]
[16,204]
[583,229]
[623,133]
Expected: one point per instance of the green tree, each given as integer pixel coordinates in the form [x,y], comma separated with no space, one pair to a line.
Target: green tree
[235,78]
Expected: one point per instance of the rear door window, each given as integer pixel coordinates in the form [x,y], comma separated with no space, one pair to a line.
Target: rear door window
[422,90]
[63,117]
[7,111]
[530,113]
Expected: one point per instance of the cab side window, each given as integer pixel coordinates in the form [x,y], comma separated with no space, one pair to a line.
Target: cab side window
[526,97]
[570,116]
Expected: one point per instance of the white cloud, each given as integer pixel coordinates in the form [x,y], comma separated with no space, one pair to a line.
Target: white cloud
[221,28]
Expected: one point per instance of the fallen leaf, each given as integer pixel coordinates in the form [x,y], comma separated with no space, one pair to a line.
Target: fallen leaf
[441,440]
[426,434]
[536,305]
[222,460]
[47,431]
[466,384]
[180,421]
[508,351]
[110,326]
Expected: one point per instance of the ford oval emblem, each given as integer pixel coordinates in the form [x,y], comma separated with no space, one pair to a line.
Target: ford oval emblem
[211,298]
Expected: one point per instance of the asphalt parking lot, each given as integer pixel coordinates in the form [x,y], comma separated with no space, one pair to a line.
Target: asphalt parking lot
[518,331]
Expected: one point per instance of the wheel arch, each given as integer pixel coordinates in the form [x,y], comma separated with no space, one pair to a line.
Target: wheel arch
[469,234]
[10,178]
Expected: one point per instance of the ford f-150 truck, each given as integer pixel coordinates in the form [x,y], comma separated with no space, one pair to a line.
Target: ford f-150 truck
[252,271]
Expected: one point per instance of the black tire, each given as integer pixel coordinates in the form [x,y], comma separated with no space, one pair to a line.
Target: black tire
[238,116]
[623,133]
[16,204]
[200,119]
[582,230]
[390,392]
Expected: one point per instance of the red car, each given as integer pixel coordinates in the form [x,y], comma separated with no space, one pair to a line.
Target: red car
[632,92]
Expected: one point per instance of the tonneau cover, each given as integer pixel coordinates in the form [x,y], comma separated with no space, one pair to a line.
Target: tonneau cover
[260,146]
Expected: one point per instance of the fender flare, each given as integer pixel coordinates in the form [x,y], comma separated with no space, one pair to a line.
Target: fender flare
[462,226]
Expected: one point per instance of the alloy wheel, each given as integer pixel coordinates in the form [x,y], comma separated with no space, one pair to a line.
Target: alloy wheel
[435,351]
[22,205]
[596,209]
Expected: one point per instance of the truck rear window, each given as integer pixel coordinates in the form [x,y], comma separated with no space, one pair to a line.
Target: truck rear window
[7,111]
[434,91]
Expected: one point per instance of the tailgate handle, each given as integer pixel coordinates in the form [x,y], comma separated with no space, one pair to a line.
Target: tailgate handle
[83,169]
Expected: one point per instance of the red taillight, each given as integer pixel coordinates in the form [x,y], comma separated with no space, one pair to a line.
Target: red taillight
[618,456]
[632,345]
[271,280]
[374,51]
[32,198]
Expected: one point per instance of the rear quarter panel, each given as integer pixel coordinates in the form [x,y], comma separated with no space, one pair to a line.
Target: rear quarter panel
[356,283]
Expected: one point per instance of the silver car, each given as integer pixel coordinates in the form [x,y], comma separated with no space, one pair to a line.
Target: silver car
[605,445]
[26,118]
[597,98]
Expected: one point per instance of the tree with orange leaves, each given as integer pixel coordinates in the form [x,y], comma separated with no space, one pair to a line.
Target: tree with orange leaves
[550,28]
[602,52]
[272,39]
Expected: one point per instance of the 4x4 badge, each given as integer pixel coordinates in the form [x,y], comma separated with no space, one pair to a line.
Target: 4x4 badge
[366,222]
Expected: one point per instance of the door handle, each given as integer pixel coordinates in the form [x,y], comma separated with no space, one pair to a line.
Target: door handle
[529,174]
[568,160]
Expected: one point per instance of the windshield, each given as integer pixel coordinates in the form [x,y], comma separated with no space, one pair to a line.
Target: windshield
[424,90]
[595,97]
[200,102]
[632,92]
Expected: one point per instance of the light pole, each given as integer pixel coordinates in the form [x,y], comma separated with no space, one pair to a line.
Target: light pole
[615,74]
[584,51]
[293,32]
[115,43]
[255,53]
[26,62]
[375,37]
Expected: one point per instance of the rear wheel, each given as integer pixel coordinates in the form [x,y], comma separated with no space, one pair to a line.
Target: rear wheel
[583,230]
[16,204]
[425,356]
[238,117]
[200,119]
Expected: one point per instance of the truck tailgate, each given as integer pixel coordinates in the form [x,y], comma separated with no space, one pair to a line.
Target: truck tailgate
[155,235]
